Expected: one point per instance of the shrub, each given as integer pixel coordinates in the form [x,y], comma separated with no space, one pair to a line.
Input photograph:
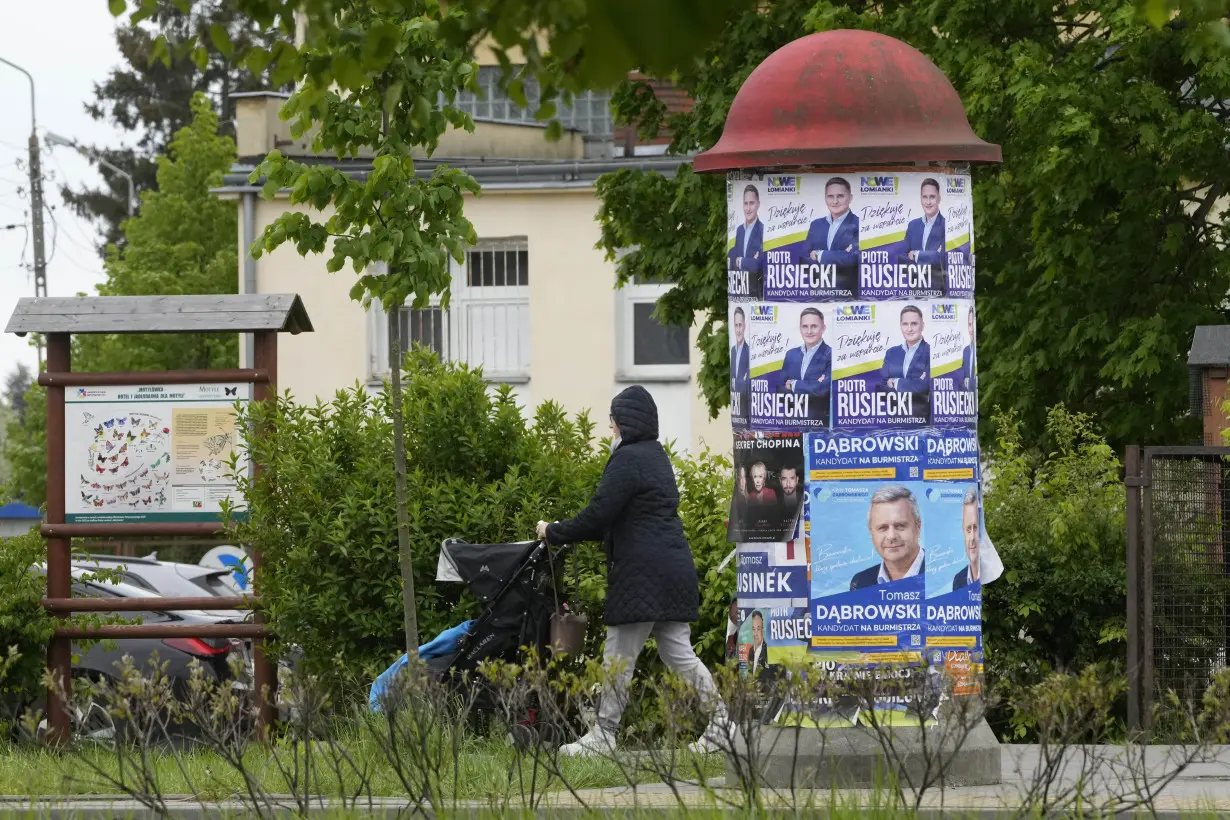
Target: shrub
[1058,521]
[25,627]
[323,512]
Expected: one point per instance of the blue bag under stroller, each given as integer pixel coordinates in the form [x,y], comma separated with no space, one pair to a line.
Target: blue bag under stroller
[443,644]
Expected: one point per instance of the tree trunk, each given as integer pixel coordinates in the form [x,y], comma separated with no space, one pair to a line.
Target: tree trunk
[405,553]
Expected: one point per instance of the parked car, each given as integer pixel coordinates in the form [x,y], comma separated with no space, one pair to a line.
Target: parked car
[102,659]
[167,578]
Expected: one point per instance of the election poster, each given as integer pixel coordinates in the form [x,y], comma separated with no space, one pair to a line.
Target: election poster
[740,366]
[783,244]
[959,236]
[954,567]
[151,452]
[954,402]
[882,365]
[791,367]
[768,493]
[772,579]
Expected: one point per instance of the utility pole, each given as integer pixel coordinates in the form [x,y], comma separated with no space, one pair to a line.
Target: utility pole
[36,201]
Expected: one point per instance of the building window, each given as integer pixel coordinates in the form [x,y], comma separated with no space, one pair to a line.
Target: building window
[648,349]
[487,324]
[589,113]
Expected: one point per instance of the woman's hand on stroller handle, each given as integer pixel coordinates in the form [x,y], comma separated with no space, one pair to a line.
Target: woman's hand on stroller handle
[542,531]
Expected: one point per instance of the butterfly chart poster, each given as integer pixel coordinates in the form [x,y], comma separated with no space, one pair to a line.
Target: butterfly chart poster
[152,452]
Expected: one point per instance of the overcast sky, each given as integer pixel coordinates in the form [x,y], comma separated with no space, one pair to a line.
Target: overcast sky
[67,46]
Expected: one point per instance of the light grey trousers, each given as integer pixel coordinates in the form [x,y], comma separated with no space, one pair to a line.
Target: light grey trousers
[625,642]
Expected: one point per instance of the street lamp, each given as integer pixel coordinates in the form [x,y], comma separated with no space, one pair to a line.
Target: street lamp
[56,139]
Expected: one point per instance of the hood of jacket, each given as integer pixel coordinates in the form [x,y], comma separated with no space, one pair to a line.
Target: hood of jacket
[636,414]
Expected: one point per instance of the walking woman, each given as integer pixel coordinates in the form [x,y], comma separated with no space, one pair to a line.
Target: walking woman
[652,587]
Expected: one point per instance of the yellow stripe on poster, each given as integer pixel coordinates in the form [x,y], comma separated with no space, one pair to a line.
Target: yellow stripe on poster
[862,472]
[952,474]
[945,369]
[880,241]
[781,241]
[858,369]
[846,640]
[955,642]
[956,242]
[766,369]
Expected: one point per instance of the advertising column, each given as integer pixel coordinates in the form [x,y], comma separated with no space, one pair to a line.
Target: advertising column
[854,391]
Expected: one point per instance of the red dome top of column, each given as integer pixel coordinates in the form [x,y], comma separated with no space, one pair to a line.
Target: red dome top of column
[845,98]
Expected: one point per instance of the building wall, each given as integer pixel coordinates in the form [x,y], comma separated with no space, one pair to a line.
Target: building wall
[573,309]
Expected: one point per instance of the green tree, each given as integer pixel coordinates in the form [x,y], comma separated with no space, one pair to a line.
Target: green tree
[1101,240]
[394,227]
[182,242]
[153,101]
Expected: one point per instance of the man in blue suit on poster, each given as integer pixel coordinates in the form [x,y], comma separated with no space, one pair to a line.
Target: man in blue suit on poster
[924,237]
[969,366]
[748,252]
[833,240]
[907,367]
[809,367]
[740,364]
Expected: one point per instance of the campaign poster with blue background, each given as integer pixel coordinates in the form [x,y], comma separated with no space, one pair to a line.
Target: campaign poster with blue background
[773,579]
[868,569]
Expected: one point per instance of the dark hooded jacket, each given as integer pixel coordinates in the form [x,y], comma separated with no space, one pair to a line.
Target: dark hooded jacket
[635,513]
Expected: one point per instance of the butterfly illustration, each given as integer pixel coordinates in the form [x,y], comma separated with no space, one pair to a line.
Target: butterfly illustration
[134,504]
[135,493]
[124,449]
[124,463]
[163,476]
[95,486]
[84,480]
[102,459]
[85,496]
[131,437]
[144,473]
[98,502]
[113,469]
[149,485]
[230,391]
[115,458]
[147,501]
[144,434]
[99,430]
[109,423]
[108,487]
[87,418]
[110,446]
[101,469]
[119,435]
[166,431]
[124,420]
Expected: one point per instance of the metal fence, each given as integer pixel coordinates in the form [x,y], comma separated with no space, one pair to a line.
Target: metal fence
[1178,512]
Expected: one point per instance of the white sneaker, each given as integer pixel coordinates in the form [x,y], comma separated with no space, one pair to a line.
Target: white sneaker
[595,742]
[717,737]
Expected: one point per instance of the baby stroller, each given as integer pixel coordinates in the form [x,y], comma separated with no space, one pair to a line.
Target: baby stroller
[518,586]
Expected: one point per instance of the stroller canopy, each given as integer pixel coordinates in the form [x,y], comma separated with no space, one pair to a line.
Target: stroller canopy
[483,568]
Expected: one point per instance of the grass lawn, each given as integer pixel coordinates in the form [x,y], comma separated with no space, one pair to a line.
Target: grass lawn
[484,770]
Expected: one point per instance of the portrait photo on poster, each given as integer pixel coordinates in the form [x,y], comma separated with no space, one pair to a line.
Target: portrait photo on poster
[768,486]
[791,367]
